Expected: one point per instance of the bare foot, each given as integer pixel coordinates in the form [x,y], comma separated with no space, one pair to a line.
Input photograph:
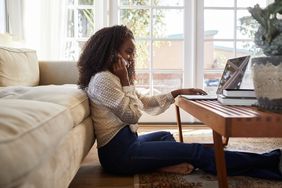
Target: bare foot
[182,168]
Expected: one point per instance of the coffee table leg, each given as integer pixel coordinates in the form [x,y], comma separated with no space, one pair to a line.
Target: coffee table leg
[220,161]
[178,119]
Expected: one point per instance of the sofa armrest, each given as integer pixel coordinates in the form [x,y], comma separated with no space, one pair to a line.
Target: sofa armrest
[58,72]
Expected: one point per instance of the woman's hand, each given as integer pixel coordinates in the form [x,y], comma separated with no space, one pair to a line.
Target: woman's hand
[120,70]
[189,91]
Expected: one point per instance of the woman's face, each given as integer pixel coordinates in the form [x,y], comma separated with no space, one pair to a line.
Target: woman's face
[127,50]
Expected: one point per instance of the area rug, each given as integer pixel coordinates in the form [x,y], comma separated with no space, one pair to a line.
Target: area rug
[200,179]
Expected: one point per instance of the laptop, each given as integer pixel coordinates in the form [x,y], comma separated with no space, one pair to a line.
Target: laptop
[231,78]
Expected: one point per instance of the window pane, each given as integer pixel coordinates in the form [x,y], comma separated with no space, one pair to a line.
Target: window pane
[168,3]
[142,54]
[143,83]
[70,23]
[168,54]
[248,48]
[214,19]
[134,2]
[71,50]
[247,26]
[251,3]
[85,22]
[80,45]
[219,3]
[168,23]
[211,80]
[138,20]
[217,53]
[70,2]
[166,82]
[86,2]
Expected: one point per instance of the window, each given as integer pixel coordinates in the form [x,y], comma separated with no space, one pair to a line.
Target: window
[228,33]
[80,26]
[159,40]
[163,31]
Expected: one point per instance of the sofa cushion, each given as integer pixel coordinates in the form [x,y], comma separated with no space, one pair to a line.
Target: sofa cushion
[30,132]
[18,67]
[67,95]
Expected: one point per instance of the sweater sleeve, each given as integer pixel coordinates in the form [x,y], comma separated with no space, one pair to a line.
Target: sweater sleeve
[105,89]
[157,104]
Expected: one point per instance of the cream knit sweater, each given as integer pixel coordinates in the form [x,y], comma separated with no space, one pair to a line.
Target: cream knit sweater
[113,106]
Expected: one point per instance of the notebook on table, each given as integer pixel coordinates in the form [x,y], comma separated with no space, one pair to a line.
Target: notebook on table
[231,78]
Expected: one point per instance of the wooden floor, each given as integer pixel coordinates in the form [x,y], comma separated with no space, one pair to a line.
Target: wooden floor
[91,175]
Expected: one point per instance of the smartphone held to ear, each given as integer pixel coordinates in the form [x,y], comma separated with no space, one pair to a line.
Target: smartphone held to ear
[123,60]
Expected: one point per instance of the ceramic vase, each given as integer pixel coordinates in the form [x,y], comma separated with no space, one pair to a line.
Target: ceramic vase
[267,79]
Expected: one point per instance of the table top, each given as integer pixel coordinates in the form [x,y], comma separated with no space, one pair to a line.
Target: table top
[233,121]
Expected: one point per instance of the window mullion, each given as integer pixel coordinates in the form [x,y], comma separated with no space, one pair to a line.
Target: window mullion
[235,28]
[151,52]
[75,20]
[199,41]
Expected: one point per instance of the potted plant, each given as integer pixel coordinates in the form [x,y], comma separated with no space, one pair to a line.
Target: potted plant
[267,70]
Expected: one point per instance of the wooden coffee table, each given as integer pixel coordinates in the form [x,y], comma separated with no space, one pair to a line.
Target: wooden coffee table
[229,121]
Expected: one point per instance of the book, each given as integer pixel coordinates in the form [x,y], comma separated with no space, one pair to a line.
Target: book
[239,101]
[239,93]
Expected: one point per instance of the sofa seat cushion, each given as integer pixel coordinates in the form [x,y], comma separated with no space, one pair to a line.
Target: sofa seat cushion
[67,95]
[30,131]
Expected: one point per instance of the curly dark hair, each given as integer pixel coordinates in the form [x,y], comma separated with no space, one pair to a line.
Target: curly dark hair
[100,52]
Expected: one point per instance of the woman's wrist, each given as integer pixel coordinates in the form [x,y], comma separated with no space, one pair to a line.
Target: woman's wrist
[175,93]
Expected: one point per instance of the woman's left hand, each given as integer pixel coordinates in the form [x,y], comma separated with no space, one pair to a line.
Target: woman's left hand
[188,91]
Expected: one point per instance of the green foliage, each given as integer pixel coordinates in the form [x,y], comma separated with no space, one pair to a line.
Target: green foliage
[248,27]
[138,20]
[269,34]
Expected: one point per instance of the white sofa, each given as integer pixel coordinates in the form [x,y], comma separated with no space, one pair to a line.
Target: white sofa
[45,124]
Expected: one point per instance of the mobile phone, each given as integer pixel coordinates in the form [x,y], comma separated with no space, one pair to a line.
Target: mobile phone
[123,60]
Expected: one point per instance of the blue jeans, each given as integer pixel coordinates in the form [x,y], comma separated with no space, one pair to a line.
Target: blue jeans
[127,153]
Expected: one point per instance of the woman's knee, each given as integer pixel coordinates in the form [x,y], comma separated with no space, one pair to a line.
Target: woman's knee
[167,136]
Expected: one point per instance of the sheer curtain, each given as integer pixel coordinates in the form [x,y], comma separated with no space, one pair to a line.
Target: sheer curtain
[2,16]
[15,18]
[44,27]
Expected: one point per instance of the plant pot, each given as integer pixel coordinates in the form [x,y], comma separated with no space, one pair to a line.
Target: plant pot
[267,79]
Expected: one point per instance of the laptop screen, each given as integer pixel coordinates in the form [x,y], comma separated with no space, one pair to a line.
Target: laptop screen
[233,73]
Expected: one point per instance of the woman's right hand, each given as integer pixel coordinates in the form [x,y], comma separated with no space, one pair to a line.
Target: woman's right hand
[120,70]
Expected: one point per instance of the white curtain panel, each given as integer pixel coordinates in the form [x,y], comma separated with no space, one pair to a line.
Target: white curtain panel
[15,18]
[2,16]
[45,27]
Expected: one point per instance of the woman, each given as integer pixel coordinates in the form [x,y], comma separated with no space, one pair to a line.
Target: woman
[107,74]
